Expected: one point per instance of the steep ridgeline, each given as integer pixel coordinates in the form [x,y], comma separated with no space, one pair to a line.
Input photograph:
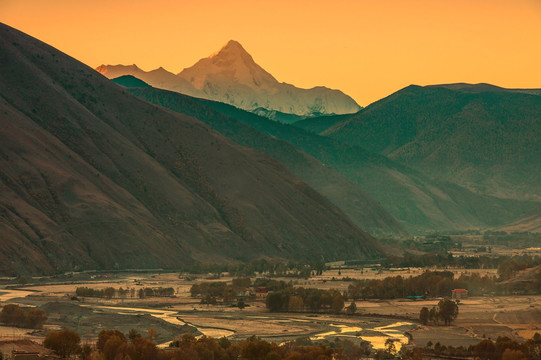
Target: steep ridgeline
[159,78]
[419,203]
[231,76]
[361,208]
[93,177]
[481,137]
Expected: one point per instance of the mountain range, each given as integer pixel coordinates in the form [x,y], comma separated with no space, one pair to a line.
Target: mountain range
[232,76]
[93,177]
[364,211]
[149,171]
[418,202]
[481,137]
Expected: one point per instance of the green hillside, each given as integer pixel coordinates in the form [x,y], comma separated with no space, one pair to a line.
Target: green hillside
[481,137]
[419,203]
[130,81]
[361,208]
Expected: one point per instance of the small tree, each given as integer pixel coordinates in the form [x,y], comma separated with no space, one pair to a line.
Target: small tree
[510,354]
[104,335]
[133,334]
[424,315]
[433,315]
[64,343]
[337,303]
[447,310]
[352,308]
[86,351]
[109,292]
[113,347]
[295,303]
[390,347]
[152,334]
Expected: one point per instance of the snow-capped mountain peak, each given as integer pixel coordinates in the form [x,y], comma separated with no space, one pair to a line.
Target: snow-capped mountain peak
[231,75]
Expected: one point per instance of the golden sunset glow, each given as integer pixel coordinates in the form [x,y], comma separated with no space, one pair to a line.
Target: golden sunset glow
[368,49]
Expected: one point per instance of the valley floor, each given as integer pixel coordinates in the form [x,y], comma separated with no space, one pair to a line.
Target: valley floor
[517,317]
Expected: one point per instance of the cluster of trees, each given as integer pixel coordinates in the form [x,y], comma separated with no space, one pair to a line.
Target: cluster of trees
[445,259]
[66,343]
[14,315]
[259,266]
[255,348]
[110,292]
[271,284]
[210,291]
[156,292]
[446,311]
[508,268]
[432,243]
[113,344]
[301,299]
[430,283]
[501,349]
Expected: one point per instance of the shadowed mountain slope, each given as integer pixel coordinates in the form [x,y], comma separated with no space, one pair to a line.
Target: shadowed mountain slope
[93,177]
[319,124]
[363,210]
[419,203]
[480,136]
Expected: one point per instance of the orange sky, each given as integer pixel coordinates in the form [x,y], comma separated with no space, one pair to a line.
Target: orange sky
[366,48]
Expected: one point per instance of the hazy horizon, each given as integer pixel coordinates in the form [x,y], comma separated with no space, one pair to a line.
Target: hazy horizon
[367,49]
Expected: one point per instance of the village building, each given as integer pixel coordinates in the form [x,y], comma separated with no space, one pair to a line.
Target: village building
[459,293]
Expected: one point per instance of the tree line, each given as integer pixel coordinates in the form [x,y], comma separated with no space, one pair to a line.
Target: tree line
[113,344]
[259,266]
[14,315]
[430,283]
[445,259]
[110,292]
[302,299]
[503,348]
[209,291]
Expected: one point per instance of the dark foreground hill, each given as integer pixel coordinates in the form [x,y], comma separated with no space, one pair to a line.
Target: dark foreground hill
[93,177]
[361,208]
[482,137]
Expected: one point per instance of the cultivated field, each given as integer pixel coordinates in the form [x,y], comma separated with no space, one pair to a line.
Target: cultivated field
[517,317]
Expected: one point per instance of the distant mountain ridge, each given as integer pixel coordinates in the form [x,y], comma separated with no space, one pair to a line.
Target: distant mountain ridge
[130,82]
[418,202]
[479,136]
[233,77]
[361,209]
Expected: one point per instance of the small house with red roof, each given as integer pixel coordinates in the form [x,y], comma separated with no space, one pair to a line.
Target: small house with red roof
[459,293]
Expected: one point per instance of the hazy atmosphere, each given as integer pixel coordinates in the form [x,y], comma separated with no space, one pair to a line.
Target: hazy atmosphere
[270,180]
[368,49]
